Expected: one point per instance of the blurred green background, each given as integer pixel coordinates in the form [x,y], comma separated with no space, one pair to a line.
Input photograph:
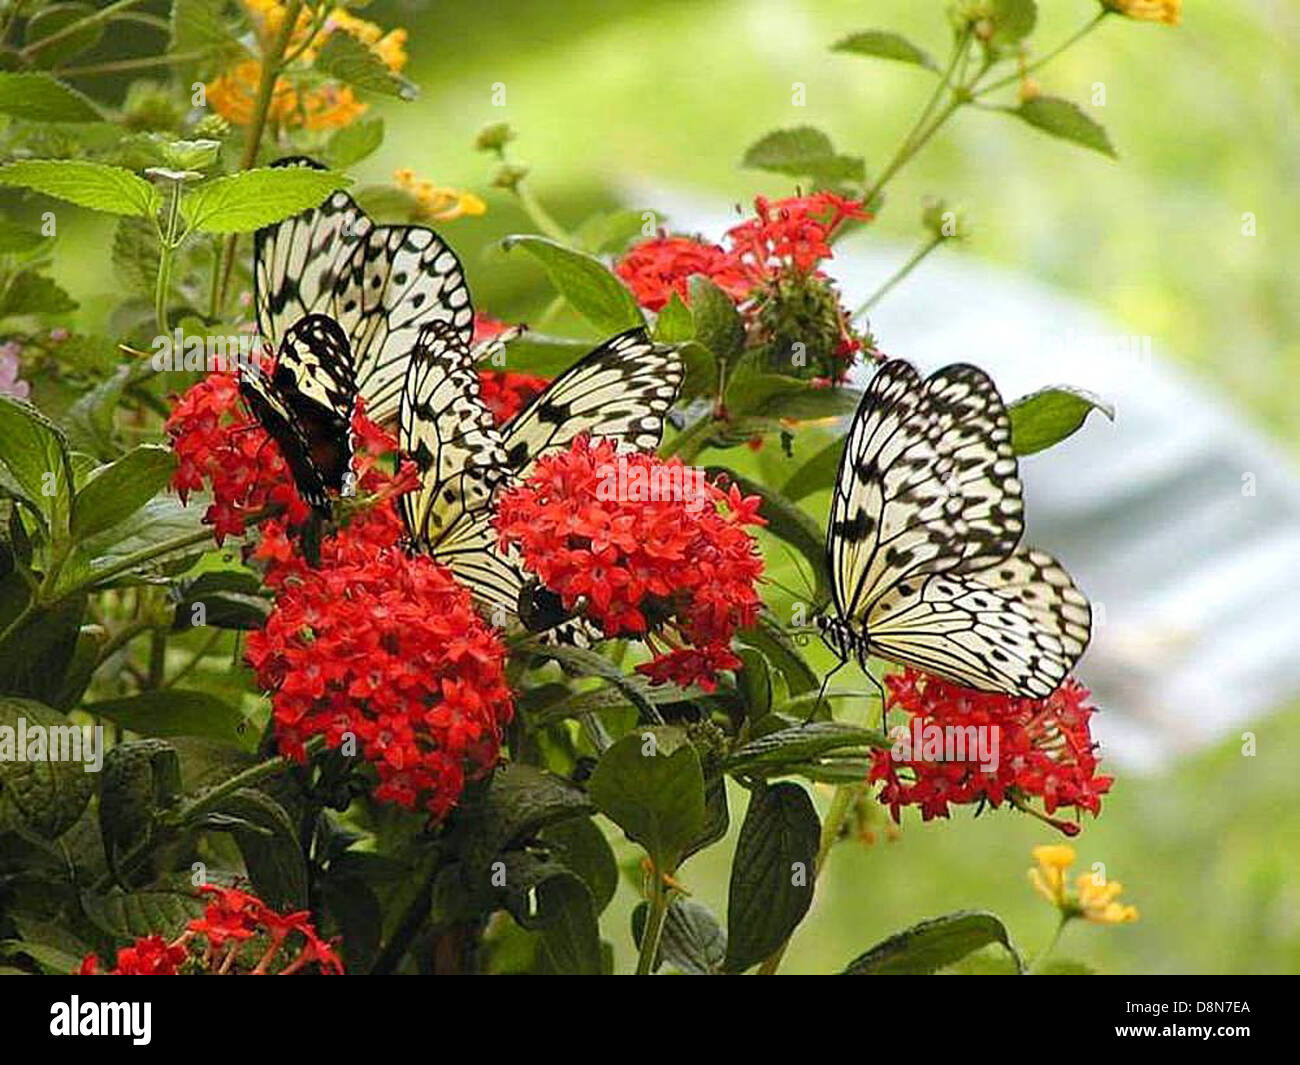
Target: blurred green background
[1204,116]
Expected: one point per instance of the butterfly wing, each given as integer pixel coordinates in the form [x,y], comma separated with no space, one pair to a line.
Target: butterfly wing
[927,483]
[622,390]
[1017,627]
[381,283]
[451,437]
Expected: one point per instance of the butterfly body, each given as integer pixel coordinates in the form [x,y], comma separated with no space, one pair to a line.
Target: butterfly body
[923,542]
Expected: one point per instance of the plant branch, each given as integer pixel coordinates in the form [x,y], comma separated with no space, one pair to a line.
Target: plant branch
[72,28]
[1038,64]
[654,924]
[912,263]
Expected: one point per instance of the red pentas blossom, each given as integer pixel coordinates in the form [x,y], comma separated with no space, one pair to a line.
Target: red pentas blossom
[790,234]
[504,393]
[656,268]
[962,746]
[641,547]
[238,934]
[383,648]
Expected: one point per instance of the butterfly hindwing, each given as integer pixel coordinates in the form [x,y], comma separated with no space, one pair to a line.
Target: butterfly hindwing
[921,542]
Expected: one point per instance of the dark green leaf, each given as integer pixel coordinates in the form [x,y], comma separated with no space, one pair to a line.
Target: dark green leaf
[141,779]
[717,816]
[45,795]
[650,784]
[933,944]
[48,21]
[546,896]
[776,751]
[769,637]
[35,657]
[94,185]
[772,873]
[754,683]
[116,491]
[42,98]
[581,846]
[884,44]
[718,325]
[1045,418]
[17,239]
[590,664]
[136,254]
[35,453]
[584,281]
[1066,120]
[354,142]
[34,293]
[692,942]
[130,914]
[269,844]
[230,599]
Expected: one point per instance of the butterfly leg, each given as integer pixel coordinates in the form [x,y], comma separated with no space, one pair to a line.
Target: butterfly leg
[822,691]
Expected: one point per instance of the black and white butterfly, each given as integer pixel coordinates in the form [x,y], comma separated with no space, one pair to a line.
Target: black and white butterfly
[306,405]
[381,283]
[922,542]
[622,390]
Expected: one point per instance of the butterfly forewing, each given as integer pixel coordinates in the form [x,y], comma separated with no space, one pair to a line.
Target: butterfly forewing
[921,542]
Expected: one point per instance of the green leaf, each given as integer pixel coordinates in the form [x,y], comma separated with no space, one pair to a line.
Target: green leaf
[116,491]
[543,353]
[584,281]
[769,637]
[933,944]
[16,239]
[884,44]
[45,795]
[1066,120]
[803,152]
[612,231]
[36,454]
[52,960]
[158,522]
[718,325]
[1046,417]
[650,784]
[94,185]
[269,843]
[34,293]
[354,142]
[44,24]
[176,712]
[590,664]
[772,873]
[1065,967]
[545,896]
[773,753]
[201,26]
[788,522]
[231,599]
[347,59]
[754,684]
[816,474]
[35,658]
[136,254]
[581,846]
[674,324]
[43,98]
[81,667]
[717,816]
[141,779]
[241,203]
[1013,20]
[692,942]
[130,914]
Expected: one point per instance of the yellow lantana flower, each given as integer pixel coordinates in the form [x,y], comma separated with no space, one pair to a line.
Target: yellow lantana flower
[1093,901]
[1170,12]
[434,203]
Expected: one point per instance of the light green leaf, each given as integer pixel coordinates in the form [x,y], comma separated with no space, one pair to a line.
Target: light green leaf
[803,152]
[347,59]
[18,240]
[884,45]
[116,491]
[674,324]
[240,203]
[817,473]
[201,26]
[931,945]
[1066,120]
[354,142]
[584,281]
[1013,20]
[43,98]
[1046,417]
[95,185]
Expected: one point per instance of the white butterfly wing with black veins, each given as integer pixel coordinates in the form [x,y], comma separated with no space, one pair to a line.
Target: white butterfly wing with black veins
[922,541]
[381,283]
[622,390]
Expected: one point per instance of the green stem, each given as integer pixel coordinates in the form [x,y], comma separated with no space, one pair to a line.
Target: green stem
[540,216]
[899,274]
[272,65]
[139,63]
[75,27]
[1051,945]
[842,803]
[1038,64]
[654,924]
[167,251]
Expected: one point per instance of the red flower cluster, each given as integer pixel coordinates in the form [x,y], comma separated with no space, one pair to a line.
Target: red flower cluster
[238,934]
[656,268]
[385,648]
[217,442]
[1044,750]
[641,547]
[790,234]
[505,394]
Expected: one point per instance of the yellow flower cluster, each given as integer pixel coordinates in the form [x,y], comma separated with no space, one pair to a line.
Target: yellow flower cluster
[1170,12]
[1093,901]
[233,94]
[434,203]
